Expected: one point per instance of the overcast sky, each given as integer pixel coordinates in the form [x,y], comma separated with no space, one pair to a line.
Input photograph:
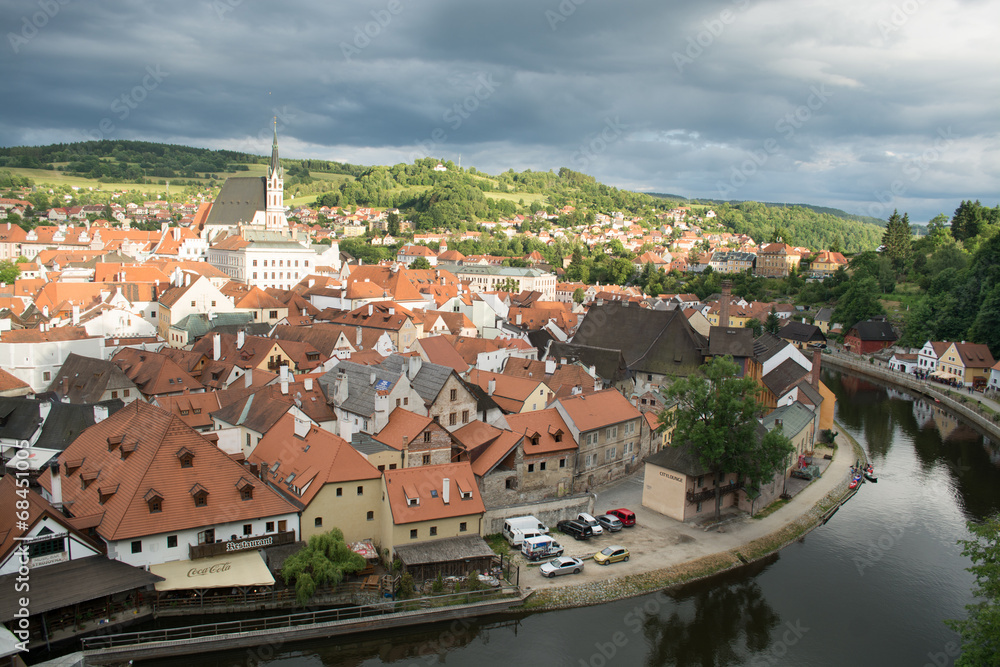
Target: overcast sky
[865,106]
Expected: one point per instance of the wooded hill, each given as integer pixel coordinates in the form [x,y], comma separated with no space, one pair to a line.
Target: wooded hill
[451,199]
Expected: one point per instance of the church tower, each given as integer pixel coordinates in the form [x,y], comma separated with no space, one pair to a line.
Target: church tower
[274,213]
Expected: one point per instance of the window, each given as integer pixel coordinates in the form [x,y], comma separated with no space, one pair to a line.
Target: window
[269,527]
[427,436]
[273,314]
[155,505]
[171,541]
[114,394]
[454,394]
[434,531]
[371,515]
[462,527]
[192,304]
[592,438]
[255,263]
[452,419]
[541,466]
[392,466]
[511,482]
[562,463]
[426,459]
[126,392]
[318,522]
[531,467]
[137,547]
[340,491]
[399,402]
[47,376]
[465,416]
[201,500]
[630,428]
[152,314]
[213,303]
[361,490]
[413,533]
[46,547]
[612,433]
[246,493]
[248,529]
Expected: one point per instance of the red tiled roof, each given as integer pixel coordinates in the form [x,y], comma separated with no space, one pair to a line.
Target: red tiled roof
[602,408]
[418,483]
[155,437]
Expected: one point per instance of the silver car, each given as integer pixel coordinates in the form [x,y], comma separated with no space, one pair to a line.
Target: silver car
[561,565]
[610,523]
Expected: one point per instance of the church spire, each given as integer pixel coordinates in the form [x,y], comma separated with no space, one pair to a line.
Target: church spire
[275,166]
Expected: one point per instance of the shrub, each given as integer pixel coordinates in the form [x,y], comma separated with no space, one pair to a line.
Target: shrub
[406,586]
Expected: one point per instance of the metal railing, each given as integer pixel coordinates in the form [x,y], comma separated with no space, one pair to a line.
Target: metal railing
[294,620]
[243,544]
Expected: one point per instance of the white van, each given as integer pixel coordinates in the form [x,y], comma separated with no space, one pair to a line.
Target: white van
[515,529]
[517,536]
[587,519]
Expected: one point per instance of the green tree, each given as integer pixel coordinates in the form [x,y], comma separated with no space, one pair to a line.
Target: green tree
[393,222]
[322,562]
[986,327]
[9,271]
[754,325]
[859,302]
[420,263]
[896,240]
[509,285]
[717,414]
[773,323]
[980,631]
[579,295]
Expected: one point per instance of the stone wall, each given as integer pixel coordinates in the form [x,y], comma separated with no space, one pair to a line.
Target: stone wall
[549,512]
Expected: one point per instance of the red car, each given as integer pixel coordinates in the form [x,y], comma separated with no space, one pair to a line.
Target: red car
[627,517]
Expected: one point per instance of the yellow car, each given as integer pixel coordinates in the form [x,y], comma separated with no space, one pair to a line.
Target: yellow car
[611,554]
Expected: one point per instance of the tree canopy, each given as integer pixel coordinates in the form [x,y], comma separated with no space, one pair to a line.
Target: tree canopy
[980,631]
[717,413]
[322,562]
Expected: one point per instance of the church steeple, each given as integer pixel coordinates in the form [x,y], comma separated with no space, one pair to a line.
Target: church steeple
[274,212]
[275,166]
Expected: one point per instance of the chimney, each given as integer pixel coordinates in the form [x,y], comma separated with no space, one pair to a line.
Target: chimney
[340,394]
[491,386]
[241,338]
[43,411]
[216,347]
[301,427]
[414,363]
[76,316]
[578,389]
[550,366]
[187,279]
[370,309]
[45,311]
[248,378]
[100,413]
[445,490]
[56,483]
[727,291]
[307,384]
[816,368]
[284,379]
[392,310]
[312,281]
[372,377]
[519,319]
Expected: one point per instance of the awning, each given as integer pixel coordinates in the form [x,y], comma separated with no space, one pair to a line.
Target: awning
[226,571]
[944,375]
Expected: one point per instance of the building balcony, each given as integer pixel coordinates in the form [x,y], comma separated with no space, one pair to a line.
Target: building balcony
[246,544]
[694,497]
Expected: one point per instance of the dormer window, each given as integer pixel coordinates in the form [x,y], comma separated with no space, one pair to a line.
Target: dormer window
[186,457]
[87,478]
[200,495]
[106,492]
[154,501]
[245,487]
[114,441]
[128,448]
[73,465]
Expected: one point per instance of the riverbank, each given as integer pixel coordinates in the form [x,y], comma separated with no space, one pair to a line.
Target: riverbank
[732,546]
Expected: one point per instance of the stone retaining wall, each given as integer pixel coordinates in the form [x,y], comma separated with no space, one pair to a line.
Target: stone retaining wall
[549,512]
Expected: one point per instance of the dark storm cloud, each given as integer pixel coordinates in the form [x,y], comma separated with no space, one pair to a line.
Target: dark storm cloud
[773,100]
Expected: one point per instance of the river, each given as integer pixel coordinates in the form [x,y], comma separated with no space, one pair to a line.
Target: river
[871,587]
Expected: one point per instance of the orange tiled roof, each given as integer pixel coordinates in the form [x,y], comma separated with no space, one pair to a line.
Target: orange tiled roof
[154,438]
[602,408]
[410,483]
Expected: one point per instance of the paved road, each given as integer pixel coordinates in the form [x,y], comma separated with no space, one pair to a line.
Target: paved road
[658,541]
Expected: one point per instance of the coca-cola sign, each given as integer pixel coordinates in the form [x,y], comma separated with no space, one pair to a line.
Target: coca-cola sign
[213,569]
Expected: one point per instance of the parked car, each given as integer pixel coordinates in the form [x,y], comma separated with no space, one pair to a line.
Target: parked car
[611,555]
[543,546]
[583,517]
[610,523]
[580,531]
[561,565]
[627,517]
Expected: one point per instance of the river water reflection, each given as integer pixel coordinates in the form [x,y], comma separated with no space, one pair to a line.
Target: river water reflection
[871,587]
